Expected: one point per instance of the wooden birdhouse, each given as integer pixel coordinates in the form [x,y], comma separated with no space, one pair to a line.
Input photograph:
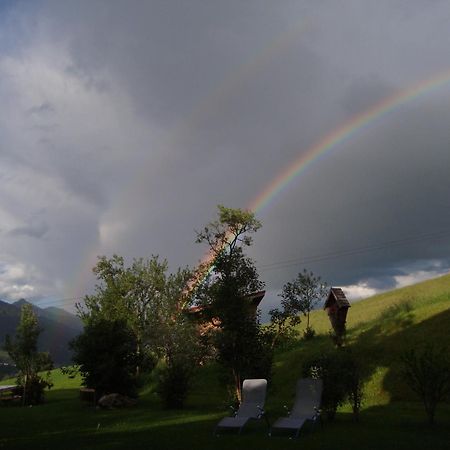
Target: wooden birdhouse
[336,307]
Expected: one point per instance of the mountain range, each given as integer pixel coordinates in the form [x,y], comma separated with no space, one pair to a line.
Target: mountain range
[58,328]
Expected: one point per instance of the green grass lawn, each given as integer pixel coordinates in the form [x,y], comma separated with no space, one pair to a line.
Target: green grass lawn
[379,329]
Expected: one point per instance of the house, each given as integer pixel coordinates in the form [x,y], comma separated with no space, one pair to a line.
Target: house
[253,300]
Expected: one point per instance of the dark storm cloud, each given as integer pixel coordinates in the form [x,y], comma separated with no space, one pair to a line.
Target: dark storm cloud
[127,122]
[374,207]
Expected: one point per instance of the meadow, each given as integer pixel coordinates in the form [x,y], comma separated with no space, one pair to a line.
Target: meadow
[380,329]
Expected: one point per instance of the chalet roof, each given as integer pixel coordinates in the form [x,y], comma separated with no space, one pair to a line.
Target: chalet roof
[254,299]
[337,295]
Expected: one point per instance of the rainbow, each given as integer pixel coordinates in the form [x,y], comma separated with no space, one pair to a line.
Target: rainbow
[332,140]
[343,133]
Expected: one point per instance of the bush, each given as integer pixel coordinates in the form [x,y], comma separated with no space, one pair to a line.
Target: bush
[107,359]
[32,390]
[427,372]
[173,385]
[342,374]
[309,333]
[353,372]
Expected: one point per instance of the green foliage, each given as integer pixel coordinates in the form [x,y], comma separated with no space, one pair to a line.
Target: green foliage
[309,333]
[181,350]
[230,229]
[342,372]
[242,347]
[282,328]
[174,383]
[29,362]
[70,371]
[301,295]
[131,294]
[427,372]
[177,341]
[152,303]
[106,355]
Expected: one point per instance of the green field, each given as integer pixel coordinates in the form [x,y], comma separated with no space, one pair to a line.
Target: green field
[379,329]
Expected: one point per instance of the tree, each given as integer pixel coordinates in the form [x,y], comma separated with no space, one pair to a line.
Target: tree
[427,372]
[178,341]
[130,294]
[283,322]
[242,346]
[302,295]
[28,360]
[152,303]
[107,357]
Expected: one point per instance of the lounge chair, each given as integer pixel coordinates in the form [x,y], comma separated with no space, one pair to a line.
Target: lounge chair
[251,407]
[306,406]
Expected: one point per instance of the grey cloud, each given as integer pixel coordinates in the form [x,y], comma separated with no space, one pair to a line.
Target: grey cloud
[89,80]
[364,93]
[36,231]
[43,108]
[184,105]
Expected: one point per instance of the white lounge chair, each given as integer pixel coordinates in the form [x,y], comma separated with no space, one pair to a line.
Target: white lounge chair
[306,406]
[251,407]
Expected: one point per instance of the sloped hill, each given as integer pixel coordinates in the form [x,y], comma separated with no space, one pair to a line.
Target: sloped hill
[379,329]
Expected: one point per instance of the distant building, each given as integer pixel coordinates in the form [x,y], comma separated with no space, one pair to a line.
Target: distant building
[253,301]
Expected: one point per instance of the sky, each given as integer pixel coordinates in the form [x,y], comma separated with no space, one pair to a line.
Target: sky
[123,124]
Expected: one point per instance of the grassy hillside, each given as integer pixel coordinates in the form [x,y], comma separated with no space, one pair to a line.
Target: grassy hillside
[379,329]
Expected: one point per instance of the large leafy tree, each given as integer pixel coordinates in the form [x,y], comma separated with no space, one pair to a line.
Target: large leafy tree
[28,360]
[151,303]
[106,355]
[131,294]
[239,339]
[177,342]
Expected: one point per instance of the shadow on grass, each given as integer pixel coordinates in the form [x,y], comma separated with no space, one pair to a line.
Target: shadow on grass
[381,428]
[383,344]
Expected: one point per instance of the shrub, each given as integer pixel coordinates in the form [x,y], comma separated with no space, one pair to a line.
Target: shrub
[309,333]
[353,372]
[106,355]
[173,385]
[33,389]
[427,372]
[342,374]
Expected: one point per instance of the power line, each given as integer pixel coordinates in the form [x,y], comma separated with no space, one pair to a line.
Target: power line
[290,262]
[355,251]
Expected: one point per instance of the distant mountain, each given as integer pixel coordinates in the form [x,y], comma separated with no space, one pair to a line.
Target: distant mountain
[59,327]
